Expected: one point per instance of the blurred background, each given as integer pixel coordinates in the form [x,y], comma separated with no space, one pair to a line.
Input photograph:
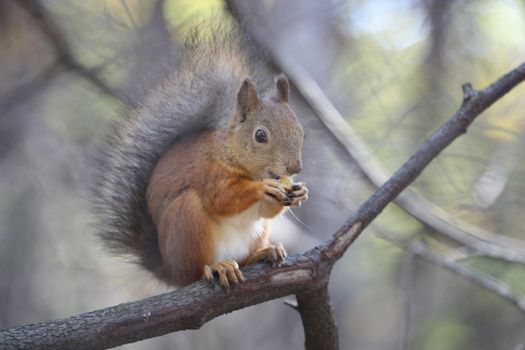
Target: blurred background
[441,270]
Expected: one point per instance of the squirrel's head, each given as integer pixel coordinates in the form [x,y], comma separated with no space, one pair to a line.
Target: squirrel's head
[265,134]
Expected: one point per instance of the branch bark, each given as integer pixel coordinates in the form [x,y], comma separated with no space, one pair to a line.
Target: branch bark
[191,307]
[317,315]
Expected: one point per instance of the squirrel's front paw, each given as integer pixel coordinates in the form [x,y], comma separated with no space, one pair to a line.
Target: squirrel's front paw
[298,194]
[227,271]
[274,198]
[276,191]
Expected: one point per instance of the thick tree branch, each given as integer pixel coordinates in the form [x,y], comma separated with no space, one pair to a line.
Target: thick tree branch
[320,329]
[185,308]
[191,307]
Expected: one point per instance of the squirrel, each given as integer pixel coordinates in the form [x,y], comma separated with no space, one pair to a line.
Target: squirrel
[189,179]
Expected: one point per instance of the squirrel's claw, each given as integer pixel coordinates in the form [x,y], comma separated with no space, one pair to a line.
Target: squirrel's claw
[280,254]
[228,272]
[298,194]
[274,254]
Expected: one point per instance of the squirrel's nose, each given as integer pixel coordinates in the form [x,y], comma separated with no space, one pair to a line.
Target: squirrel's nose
[295,167]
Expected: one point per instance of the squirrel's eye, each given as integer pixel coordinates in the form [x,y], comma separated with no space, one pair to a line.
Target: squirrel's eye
[260,136]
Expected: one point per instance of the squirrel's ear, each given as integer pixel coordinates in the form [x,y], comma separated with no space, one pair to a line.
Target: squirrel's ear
[283,88]
[247,99]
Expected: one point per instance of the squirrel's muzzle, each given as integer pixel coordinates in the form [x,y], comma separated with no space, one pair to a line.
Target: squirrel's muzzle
[294,167]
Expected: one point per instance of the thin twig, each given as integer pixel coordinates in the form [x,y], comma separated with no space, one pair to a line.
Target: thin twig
[421,250]
[291,303]
[407,287]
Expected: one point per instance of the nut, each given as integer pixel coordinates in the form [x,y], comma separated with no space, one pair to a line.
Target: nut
[286,181]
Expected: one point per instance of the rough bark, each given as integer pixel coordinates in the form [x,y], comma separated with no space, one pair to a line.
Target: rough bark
[317,315]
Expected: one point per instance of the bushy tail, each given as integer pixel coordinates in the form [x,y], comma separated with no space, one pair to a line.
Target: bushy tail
[199,93]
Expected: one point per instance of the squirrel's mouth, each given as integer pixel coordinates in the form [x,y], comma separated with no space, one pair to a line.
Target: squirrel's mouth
[273,176]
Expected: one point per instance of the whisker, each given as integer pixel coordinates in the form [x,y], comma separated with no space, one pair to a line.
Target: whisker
[299,220]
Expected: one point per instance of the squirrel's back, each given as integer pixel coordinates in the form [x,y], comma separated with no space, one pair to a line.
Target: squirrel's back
[198,94]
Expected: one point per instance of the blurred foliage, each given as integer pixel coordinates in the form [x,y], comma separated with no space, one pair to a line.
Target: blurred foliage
[399,95]
[394,71]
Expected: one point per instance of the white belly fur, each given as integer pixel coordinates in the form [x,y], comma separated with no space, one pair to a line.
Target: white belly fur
[235,234]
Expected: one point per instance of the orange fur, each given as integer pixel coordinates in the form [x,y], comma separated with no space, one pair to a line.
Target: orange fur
[189,193]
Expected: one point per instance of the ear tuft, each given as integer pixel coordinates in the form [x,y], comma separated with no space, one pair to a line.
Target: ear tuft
[247,99]
[283,88]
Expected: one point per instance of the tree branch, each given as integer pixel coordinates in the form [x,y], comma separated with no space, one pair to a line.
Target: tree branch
[491,284]
[320,329]
[407,286]
[482,241]
[191,307]
[185,308]
[474,103]
[64,55]
[14,97]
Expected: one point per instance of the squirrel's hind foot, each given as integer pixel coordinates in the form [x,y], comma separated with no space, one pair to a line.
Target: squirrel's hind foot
[227,271]
[274,254]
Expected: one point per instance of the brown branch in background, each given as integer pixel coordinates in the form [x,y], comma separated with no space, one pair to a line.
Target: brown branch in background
[64,54]
[477,239]
[192,306]
[16,96]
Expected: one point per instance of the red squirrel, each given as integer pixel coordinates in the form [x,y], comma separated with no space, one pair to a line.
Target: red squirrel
[190,178]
